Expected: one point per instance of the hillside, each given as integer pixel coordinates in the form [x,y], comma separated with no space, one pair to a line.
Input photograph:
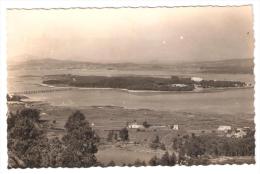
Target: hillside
[232,66]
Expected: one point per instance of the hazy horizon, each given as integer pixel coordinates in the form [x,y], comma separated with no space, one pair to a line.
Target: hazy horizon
[134,35]
[34,58]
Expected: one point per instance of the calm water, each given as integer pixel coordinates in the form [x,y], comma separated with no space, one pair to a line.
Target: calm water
[237,101]
[232,101]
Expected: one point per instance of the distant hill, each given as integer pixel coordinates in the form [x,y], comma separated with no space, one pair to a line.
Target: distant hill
[48,63]
[232,66]
[38,62]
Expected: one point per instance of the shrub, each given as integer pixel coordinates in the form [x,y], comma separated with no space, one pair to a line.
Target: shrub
[146,125]
[111,163]
[154,161]
[123,134]
[138,163]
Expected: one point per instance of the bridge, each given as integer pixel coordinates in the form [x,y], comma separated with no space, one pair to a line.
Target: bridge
[42,91]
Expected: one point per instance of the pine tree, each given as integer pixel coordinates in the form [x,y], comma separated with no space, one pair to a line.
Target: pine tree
[80,142]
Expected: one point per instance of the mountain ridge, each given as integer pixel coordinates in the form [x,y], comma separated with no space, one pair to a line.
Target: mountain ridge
[244,66]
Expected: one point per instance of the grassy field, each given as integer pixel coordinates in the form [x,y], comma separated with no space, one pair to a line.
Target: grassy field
[126,153]
[113,118]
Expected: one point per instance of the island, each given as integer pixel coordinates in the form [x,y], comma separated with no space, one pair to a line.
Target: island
[173,83]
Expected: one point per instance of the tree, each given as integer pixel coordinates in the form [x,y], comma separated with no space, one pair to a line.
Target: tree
[146,125]
[138,163]
[31,114]
[156,139]
[195,146]
[123,164]
[111,163]
[116,137]
[165,160]
[123,134]
[172,160]
[182,157]
[154,161]
[80,142]
[110,136]
[8,98]
[168,160]
[143,163]
[162,146]
[27,142]
[155,144]
[55,153]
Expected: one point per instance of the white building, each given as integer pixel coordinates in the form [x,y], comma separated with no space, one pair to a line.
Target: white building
[175,127]
[43,114]
[224,128]
[178,85]
[134,125]
[238,133]
[196,79]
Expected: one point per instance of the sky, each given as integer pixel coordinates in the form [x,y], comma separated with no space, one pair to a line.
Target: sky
[139,35]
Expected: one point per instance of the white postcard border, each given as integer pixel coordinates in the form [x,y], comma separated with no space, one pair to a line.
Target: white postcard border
[130,3]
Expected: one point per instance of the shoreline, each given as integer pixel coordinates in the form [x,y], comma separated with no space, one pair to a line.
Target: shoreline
[203,90]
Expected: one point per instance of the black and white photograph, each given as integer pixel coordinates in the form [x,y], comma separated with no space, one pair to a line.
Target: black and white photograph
[130,87]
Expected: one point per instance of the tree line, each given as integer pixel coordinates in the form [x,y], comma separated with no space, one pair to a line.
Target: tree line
[214,145]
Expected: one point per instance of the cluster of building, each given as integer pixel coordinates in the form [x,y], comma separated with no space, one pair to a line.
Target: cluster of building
[185,81]
[135,125]
[233,132]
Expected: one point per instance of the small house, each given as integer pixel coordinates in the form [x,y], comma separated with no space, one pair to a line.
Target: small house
[240,133]
[134,125]
[175,127]
[43,114]
[224,128]
[196,79]
[178,85]
[237,133]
